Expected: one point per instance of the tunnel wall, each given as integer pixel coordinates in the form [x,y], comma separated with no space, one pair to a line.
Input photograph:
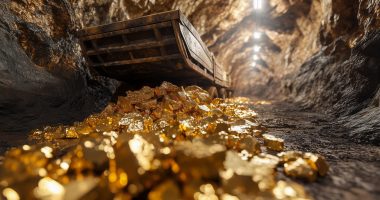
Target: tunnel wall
[42,79]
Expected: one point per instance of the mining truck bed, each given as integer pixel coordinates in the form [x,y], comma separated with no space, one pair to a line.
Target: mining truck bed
[152,49]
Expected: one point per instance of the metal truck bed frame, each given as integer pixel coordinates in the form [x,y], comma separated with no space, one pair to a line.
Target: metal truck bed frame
[151,49]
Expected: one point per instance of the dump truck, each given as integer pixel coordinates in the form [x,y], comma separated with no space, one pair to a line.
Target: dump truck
[154,48]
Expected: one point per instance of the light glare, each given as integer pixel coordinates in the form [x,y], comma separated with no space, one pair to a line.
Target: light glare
[256,48]
[255,57]
[257,35]
[257,4]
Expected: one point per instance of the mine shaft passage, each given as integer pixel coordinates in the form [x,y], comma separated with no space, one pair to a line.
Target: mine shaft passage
[182,99]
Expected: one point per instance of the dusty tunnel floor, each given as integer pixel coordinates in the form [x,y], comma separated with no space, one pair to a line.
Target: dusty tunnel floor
[354,168]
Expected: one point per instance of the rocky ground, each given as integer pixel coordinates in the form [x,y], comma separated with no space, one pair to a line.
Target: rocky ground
[354,168]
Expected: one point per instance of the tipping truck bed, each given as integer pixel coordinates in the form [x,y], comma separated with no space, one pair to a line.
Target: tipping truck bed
[151,49]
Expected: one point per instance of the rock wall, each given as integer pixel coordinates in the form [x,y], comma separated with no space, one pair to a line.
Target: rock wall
[343,77]
[42,79]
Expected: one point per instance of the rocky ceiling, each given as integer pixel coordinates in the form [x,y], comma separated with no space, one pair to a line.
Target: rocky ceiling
[321,52]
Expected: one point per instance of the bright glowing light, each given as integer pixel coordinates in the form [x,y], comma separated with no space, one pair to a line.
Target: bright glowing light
[257,4]
[26,147]
[254,64]
[256,35]
[256,48]
[143,150]
[255,57]
[89,144]
[48,187]
[64,165]
[10,194]
[47,151]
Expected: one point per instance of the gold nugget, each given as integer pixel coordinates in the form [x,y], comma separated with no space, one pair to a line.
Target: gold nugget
[273,143]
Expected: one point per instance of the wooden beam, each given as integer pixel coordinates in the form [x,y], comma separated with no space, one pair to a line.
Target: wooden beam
[126,31]
[130,47]
[139,60]
[144,20]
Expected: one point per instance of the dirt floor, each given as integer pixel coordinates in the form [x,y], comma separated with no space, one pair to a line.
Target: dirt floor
[354,168]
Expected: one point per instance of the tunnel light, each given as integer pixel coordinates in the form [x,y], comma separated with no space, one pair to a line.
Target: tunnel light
[255,57]
[256,35]
[256,48]
[257,4]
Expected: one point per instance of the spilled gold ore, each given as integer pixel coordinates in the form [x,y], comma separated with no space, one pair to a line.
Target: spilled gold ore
[166,142]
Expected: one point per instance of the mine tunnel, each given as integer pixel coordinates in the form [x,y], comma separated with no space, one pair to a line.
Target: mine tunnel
[295,115]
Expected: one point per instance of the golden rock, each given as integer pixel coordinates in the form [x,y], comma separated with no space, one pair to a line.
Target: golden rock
[142,95]
[172,104]
[273,143]
[20,164]
[147,105]
[300,169]
[317,162]
[71,133]
[198,94]
[241,186]
[168,87]
[124,105]
[198,160]
[290,191]
[207,191]
[264,170]
[168,190]
[133,122]
[81,189]
[289,156]
[83,129]
[250,144]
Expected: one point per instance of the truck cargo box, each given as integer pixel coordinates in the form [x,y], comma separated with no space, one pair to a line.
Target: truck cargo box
[152,49]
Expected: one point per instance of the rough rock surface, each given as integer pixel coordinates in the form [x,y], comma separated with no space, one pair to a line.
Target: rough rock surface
[42,80]
[351,176]
[343,77]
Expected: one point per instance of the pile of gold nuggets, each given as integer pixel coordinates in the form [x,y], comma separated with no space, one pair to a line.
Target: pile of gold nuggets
[167,142]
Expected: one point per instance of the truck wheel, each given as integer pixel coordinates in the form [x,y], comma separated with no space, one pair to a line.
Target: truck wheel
[213,92]
[223,93]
